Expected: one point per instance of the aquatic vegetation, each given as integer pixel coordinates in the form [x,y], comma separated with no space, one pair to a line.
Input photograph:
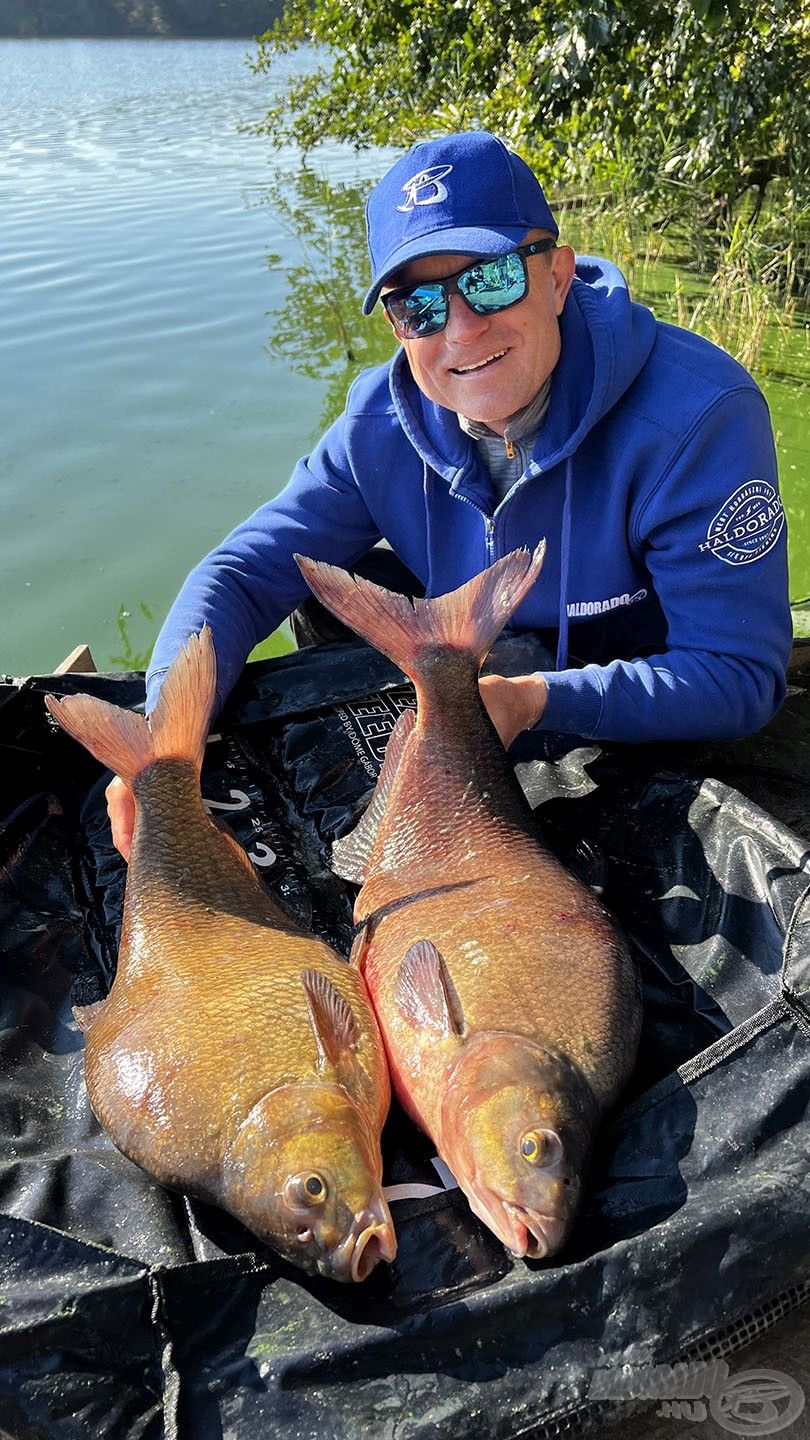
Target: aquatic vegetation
[131,658]
[137,658]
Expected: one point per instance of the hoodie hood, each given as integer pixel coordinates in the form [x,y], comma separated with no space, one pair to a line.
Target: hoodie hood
[606,340]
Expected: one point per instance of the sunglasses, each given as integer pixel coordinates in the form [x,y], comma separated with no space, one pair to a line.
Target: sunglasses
[488,286]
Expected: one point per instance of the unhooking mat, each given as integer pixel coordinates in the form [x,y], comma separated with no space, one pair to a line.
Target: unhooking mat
[131,1313]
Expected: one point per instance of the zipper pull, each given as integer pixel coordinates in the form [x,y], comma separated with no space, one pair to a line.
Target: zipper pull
[510,449]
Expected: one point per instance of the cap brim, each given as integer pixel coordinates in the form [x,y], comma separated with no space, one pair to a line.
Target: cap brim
[470,241]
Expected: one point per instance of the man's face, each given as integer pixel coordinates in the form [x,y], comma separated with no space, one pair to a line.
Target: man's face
[488,367]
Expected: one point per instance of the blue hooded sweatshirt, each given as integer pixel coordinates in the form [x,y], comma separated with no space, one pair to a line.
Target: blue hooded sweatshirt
[653,479]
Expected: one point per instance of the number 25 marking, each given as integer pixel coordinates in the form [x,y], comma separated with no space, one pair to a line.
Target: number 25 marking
[261,855]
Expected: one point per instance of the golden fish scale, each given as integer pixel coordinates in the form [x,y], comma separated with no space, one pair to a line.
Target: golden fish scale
[529,948]
[207,1013]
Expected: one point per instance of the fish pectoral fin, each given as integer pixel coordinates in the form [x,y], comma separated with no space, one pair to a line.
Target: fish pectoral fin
[425,993]
[333,1023]
[351,854]
[360,945]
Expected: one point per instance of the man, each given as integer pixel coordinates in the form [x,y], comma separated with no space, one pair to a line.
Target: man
[531,398]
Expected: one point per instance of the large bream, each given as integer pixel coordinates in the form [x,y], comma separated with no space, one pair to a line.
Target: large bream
[508,1001]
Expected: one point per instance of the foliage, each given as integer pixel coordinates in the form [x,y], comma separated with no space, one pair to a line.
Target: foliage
[688,106]
[34,18]
[320,329]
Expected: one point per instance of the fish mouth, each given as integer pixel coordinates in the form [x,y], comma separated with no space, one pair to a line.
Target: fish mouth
[535,1236]
[376,1242]
[370,1239]
[527,1234]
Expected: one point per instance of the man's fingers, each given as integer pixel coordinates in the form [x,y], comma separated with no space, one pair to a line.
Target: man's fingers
[121,810]
[513,704]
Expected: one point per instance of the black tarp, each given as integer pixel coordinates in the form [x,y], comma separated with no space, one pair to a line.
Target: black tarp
[128,1311]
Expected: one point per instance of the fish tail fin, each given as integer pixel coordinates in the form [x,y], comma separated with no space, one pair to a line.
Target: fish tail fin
[468,620]
[176,729]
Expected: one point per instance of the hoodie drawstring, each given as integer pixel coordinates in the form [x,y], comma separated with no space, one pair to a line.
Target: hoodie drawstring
[426,474]
[565,553]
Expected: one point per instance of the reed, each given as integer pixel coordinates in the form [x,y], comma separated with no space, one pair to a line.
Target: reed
[744,285]
[745,309]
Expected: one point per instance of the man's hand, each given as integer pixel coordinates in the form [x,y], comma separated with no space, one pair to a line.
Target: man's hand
[121,810]
[513,704]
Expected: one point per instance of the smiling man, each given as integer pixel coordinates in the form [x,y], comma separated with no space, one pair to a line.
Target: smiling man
[485,364]
[530,397]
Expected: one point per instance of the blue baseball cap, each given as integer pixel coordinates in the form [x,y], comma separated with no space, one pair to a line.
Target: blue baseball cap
[462,194]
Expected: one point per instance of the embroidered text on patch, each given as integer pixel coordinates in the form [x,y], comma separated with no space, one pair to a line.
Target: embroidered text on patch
[426,188]
[747,526]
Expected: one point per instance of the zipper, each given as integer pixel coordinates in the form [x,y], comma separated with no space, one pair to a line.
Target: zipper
[510,449]
[490,534]
[489,524]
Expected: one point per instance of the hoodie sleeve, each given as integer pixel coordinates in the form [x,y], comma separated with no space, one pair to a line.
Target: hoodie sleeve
[712,534]
[246,586]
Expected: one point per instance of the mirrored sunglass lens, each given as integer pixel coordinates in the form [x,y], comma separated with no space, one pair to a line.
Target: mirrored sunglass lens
[423,309]
[494,284]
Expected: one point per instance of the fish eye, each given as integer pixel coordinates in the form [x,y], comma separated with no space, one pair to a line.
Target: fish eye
[531,1146]
[315,1187]
[541,1147]
[306,1190]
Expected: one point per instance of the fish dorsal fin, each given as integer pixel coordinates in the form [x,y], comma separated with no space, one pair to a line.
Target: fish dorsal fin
[333,1024]
[425,992]
[351,854]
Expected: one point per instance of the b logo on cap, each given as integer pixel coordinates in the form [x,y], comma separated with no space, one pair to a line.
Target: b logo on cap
[425,188]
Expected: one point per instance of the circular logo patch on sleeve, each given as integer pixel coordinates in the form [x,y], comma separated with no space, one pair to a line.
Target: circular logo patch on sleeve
[747,526]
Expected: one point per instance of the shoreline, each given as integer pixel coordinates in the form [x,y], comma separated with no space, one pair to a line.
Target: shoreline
[133,36]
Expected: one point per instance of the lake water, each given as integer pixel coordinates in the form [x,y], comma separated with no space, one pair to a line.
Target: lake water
[160,375]
[140,412]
